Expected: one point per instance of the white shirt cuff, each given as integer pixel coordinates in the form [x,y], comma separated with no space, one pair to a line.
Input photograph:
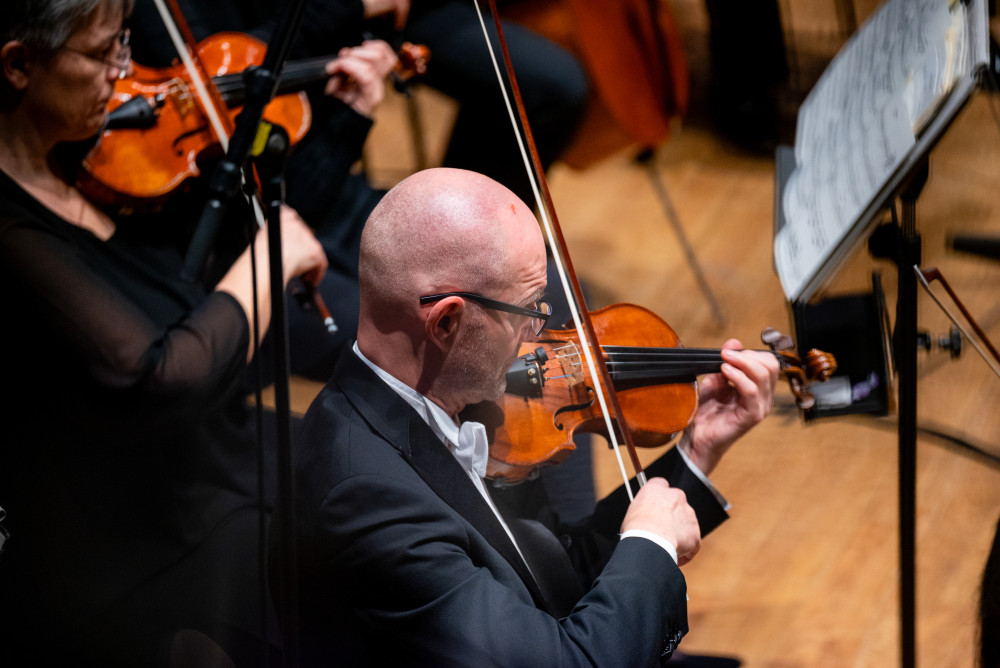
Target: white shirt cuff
[656,538]
[704,478]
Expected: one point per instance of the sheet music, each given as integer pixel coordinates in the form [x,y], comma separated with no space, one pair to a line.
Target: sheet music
[859,123]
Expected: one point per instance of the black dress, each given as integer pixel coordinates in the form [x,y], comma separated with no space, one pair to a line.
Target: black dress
[128,468]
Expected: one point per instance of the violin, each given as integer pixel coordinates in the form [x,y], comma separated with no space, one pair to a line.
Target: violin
[157,132]
[549,398]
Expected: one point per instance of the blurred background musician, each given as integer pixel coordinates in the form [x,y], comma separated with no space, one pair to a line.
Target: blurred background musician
[552,81]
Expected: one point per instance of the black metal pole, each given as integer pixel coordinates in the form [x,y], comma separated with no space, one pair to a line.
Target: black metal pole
[271,168]
[906,360]
[261,85]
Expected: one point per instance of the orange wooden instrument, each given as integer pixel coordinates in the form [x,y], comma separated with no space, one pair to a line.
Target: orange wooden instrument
[158,134]
[549,398]
[163,133]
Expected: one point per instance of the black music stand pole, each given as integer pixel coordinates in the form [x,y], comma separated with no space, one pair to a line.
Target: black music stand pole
[900,243]
[905,345]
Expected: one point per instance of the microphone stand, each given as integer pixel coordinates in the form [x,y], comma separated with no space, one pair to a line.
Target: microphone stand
[261,86]
[271,168]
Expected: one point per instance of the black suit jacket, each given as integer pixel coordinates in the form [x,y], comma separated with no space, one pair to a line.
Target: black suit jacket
[401,560]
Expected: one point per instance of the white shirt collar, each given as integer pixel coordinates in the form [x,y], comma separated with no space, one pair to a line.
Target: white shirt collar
[468,442]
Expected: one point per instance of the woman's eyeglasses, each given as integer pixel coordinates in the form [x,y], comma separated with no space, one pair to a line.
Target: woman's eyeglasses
[120,60]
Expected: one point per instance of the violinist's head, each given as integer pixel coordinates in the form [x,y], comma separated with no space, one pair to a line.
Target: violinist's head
[442,231]
[60,60]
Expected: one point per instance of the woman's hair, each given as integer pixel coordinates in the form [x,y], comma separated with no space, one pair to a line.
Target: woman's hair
[47,24]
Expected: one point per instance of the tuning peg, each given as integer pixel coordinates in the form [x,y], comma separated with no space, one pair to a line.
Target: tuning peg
[775,340]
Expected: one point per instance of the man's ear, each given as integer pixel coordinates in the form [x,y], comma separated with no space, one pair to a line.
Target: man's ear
[441,323]
[14,58]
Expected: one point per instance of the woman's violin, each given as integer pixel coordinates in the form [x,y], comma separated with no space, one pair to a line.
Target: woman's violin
[549,398]
[157,132]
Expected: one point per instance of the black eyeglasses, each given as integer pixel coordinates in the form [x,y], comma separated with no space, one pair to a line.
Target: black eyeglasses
[121,59]
[538,317]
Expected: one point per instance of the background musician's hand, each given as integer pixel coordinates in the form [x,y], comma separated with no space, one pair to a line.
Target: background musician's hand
[357,75]
[664,510]
[301,254]
[399,9]
[730,403]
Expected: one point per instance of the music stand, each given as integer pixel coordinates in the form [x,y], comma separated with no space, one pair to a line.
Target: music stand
[864,137]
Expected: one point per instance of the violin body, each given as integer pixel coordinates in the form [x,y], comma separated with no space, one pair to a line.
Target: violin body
[536,431]
[550,396]
[141,167]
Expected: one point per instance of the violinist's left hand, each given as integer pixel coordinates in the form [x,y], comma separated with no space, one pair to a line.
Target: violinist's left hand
[357,75]
[730,403]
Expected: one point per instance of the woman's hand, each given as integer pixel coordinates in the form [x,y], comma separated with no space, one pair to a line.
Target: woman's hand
[301,253]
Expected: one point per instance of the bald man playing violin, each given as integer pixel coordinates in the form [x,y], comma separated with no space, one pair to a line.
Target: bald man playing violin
[403,557]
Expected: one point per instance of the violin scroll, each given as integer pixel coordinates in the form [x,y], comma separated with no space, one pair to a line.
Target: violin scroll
[412,64]
[818,365]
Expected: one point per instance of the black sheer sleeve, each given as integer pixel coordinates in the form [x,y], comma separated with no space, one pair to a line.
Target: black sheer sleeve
[164,351]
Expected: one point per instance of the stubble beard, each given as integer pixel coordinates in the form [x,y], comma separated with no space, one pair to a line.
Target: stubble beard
[471,374]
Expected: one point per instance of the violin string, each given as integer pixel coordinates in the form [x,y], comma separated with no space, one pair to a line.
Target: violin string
[633,363]
[648,356]
[547,225]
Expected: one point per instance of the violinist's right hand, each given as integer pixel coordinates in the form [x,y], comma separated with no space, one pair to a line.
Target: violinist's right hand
[399,9]
[664,510]
[301,253]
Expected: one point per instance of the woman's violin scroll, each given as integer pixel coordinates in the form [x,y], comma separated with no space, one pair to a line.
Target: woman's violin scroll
[549,397]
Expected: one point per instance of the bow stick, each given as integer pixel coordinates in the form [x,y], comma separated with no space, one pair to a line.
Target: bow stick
[571,286]
[187,50]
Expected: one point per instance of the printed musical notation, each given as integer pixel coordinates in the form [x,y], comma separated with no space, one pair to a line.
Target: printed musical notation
[862,119]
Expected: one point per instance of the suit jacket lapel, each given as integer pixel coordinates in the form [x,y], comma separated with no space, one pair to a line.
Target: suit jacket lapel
[402,427]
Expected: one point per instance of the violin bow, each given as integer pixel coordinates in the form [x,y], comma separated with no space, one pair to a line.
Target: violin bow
[560,252]
[927,275]
[187,50]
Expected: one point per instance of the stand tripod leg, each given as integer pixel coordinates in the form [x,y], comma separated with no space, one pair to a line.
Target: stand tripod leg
[648,160]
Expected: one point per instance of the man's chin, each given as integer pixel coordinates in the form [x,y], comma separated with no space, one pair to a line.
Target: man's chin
[494,394]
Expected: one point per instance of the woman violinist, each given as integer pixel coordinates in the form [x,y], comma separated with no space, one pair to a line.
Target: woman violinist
[127,467]
[319,183]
